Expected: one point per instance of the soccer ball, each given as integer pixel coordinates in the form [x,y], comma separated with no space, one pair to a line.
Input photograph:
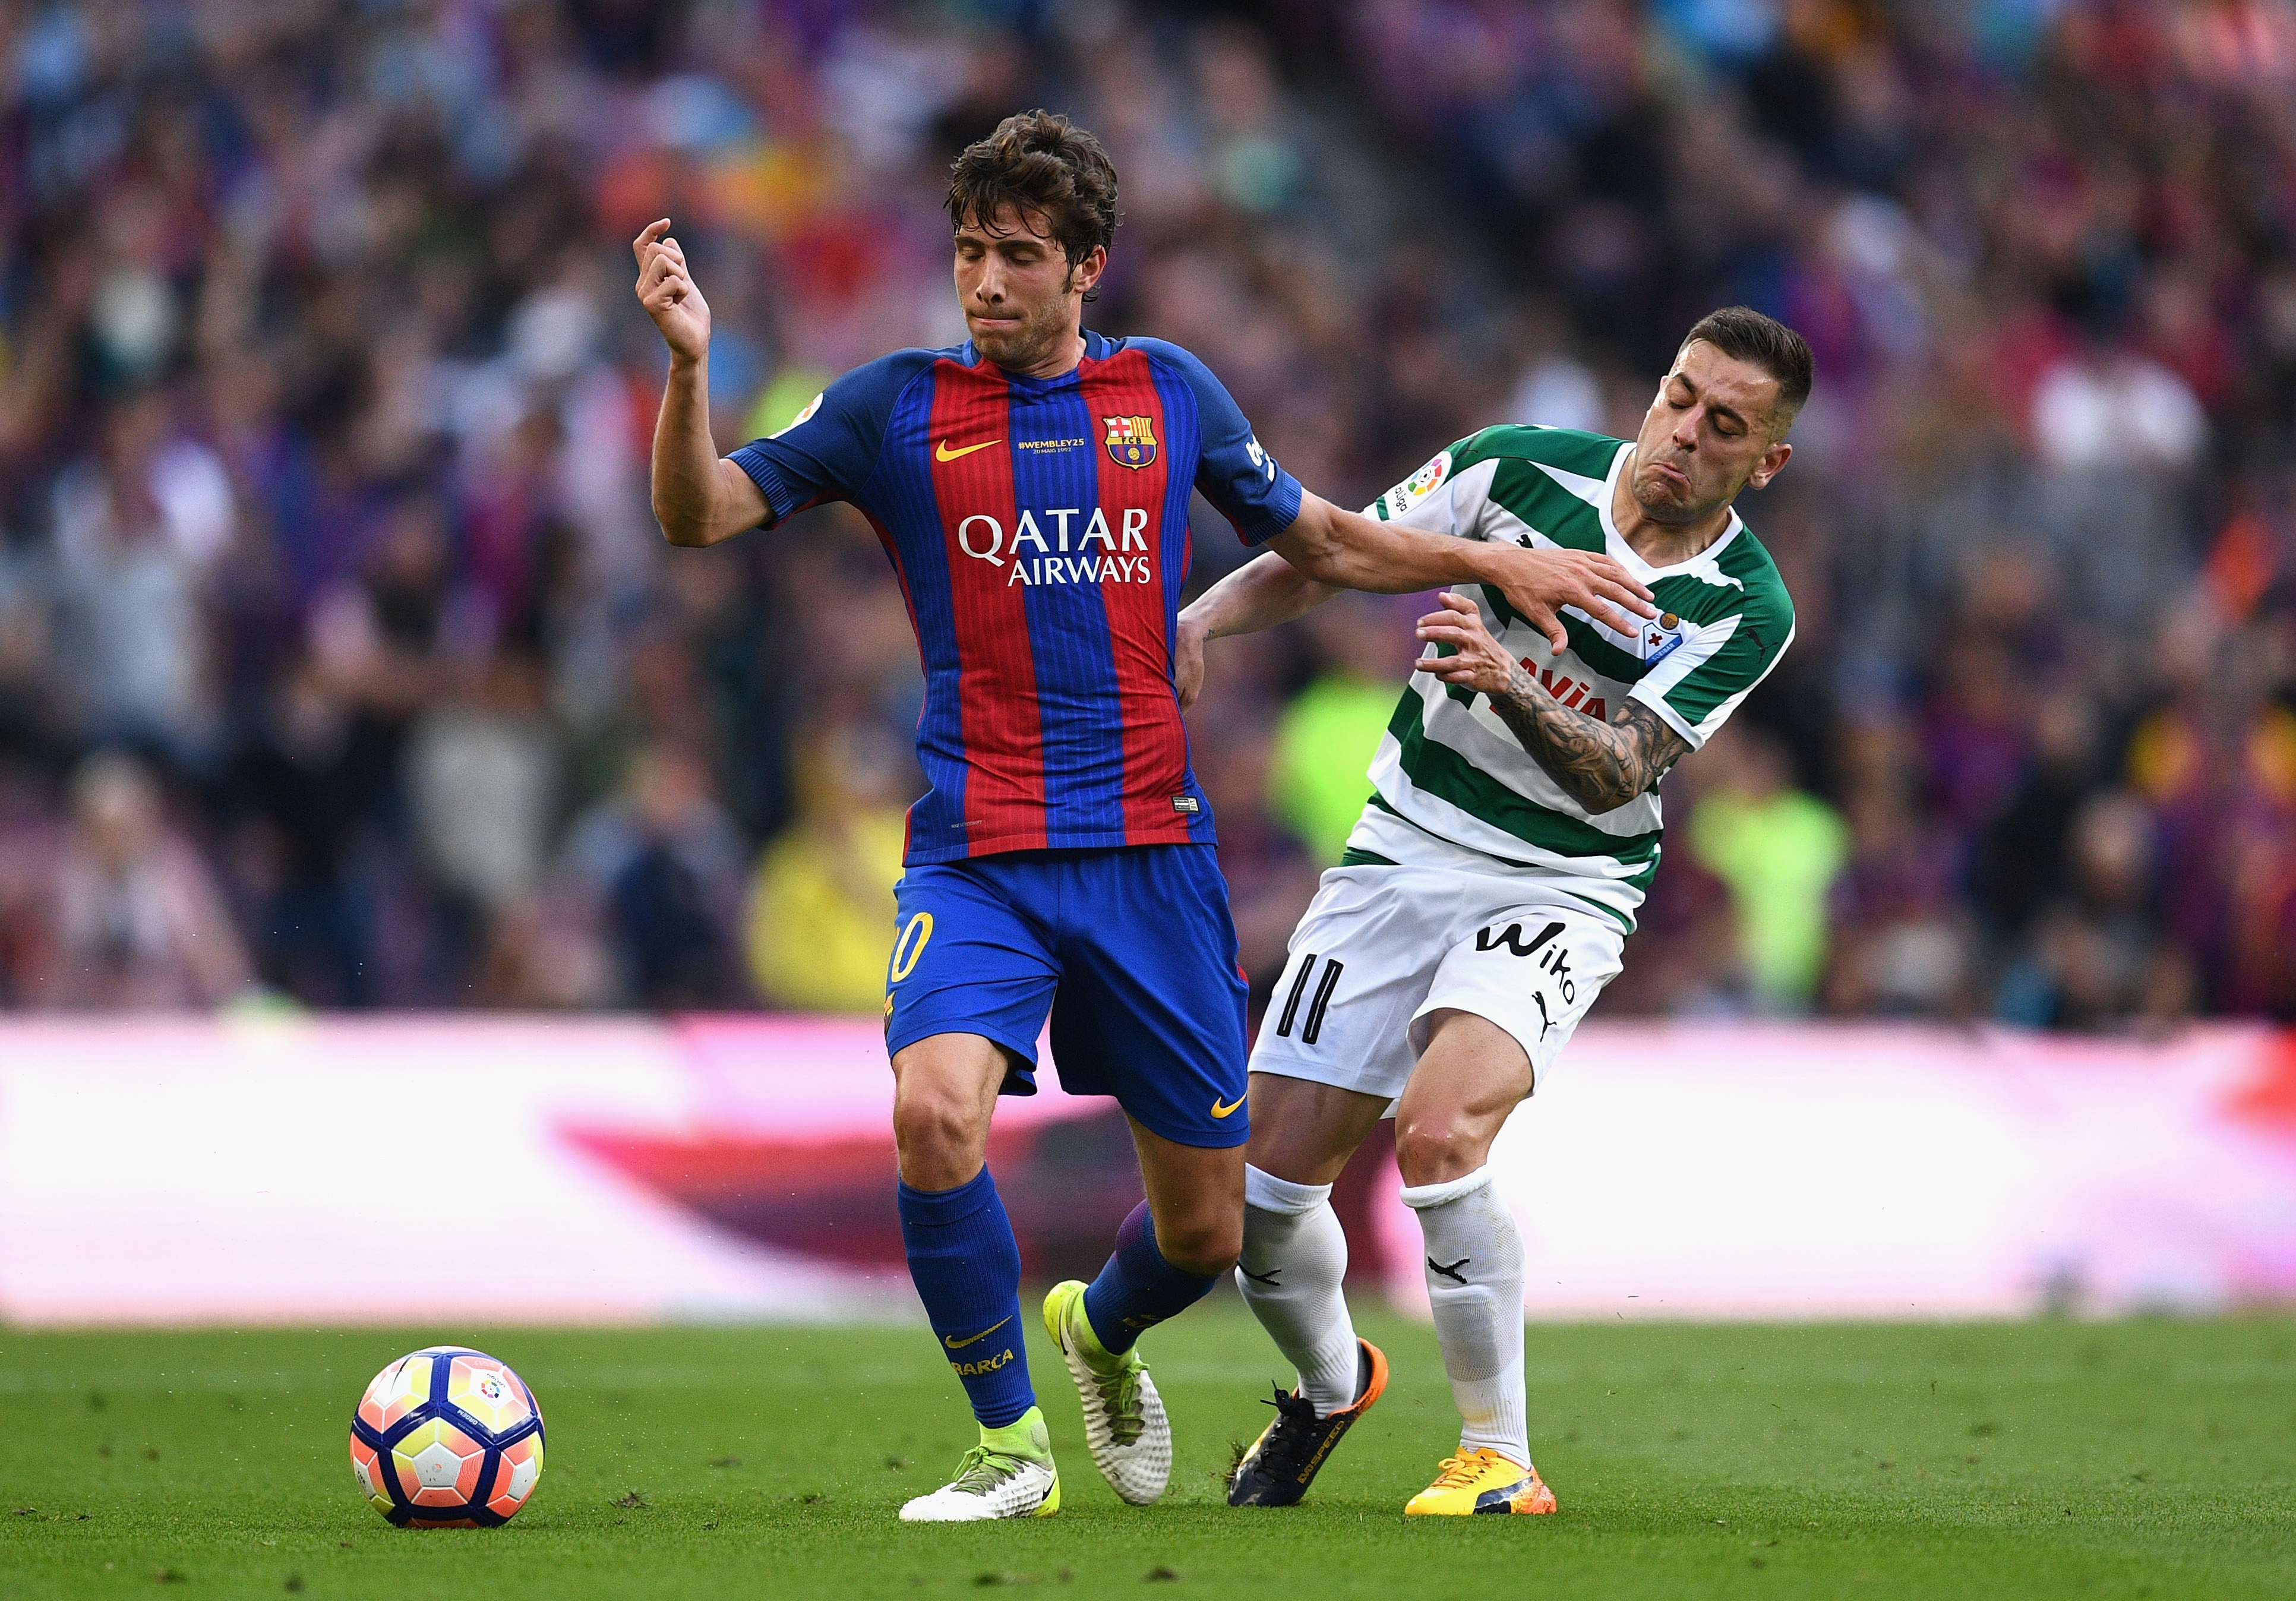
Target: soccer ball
[447,1438]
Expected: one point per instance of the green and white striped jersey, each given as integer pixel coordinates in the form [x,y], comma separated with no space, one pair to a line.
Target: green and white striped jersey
[1449,774]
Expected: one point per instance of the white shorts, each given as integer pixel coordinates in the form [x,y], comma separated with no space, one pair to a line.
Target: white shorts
[1381,948]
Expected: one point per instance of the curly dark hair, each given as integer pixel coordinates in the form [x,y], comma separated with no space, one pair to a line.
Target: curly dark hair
[1047,168]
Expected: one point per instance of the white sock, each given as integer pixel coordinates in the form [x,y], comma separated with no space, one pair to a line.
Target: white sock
[1474,1280]
[1295,1257]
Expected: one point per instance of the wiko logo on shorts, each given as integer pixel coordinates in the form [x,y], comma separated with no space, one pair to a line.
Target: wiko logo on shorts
[1486,939]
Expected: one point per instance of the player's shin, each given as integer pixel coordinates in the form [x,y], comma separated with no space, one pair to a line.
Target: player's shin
[1137,1288]
[1474,1283]
[1295,1259]
[967,1269]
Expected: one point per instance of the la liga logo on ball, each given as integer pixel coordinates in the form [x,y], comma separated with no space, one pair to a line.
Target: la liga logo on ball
[447,1438]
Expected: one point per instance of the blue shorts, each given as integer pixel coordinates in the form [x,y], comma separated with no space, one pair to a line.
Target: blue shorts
[1131,950]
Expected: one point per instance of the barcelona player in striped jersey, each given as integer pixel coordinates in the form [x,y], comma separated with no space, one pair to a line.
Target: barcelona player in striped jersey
[1030,488]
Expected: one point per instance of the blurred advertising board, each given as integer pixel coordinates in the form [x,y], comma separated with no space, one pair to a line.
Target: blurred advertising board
[328,1170]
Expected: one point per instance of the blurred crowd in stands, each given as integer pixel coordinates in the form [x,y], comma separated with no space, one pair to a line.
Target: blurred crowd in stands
[342,664]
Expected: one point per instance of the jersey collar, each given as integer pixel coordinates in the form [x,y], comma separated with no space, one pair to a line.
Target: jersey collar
[1627,556]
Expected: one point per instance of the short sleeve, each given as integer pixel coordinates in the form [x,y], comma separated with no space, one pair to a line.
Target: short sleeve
[1430,500]
[1233,470]
[1697,685]
[830,448]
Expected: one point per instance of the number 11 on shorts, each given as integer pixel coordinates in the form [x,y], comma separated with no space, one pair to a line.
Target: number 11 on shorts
[1313,1029]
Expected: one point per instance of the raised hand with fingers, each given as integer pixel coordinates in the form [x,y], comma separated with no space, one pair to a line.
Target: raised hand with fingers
[699,497]
[1539,583]
[666,290]
[1477,662]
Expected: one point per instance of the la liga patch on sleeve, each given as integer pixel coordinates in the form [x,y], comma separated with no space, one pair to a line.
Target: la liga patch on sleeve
[1419,486]
[806,415]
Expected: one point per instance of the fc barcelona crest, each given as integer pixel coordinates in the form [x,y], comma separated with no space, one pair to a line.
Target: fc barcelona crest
[1131,440]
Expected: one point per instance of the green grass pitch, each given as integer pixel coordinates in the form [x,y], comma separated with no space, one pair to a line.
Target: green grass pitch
[2146,1459]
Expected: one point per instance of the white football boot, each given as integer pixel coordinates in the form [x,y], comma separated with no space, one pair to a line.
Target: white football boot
[995,1483]
[1124,1420]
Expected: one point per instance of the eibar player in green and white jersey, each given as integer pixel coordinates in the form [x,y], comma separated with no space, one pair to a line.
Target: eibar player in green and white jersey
[1489,886]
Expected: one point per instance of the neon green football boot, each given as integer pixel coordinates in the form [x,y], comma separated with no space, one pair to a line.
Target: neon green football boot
[1124,1420]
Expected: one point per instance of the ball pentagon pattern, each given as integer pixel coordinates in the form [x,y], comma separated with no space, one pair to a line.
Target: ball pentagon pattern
[447,1438]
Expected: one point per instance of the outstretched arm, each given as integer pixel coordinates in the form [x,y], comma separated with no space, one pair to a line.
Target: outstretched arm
[1352,551]
[1602,766]
[699,497]
[1263,591]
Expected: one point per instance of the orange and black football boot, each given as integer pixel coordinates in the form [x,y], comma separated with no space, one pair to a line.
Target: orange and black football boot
[1289,1453]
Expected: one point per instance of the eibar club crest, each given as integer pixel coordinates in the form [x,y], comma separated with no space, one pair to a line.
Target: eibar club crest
[1131,440]
[1660,639]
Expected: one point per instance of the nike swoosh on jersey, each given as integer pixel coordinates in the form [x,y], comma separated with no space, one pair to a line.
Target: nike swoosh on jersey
[984,1333]
[1220,1111]
[942,453]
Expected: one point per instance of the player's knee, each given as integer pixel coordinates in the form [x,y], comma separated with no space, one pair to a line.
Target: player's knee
[1436,1149]
[940,1138]
[1207,1247]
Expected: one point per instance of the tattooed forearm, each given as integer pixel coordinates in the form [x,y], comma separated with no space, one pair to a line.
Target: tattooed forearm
[1602,765]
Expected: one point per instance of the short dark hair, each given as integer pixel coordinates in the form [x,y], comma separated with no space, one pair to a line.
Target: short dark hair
[1745,334]
[1048,167]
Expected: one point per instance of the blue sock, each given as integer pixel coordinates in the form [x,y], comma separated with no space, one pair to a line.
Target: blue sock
[1138,1289]
[967,1269]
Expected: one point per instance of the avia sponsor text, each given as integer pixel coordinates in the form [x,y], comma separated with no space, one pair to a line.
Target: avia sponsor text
[1568,691]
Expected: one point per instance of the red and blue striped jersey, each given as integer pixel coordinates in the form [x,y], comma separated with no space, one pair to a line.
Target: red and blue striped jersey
[1039,529]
